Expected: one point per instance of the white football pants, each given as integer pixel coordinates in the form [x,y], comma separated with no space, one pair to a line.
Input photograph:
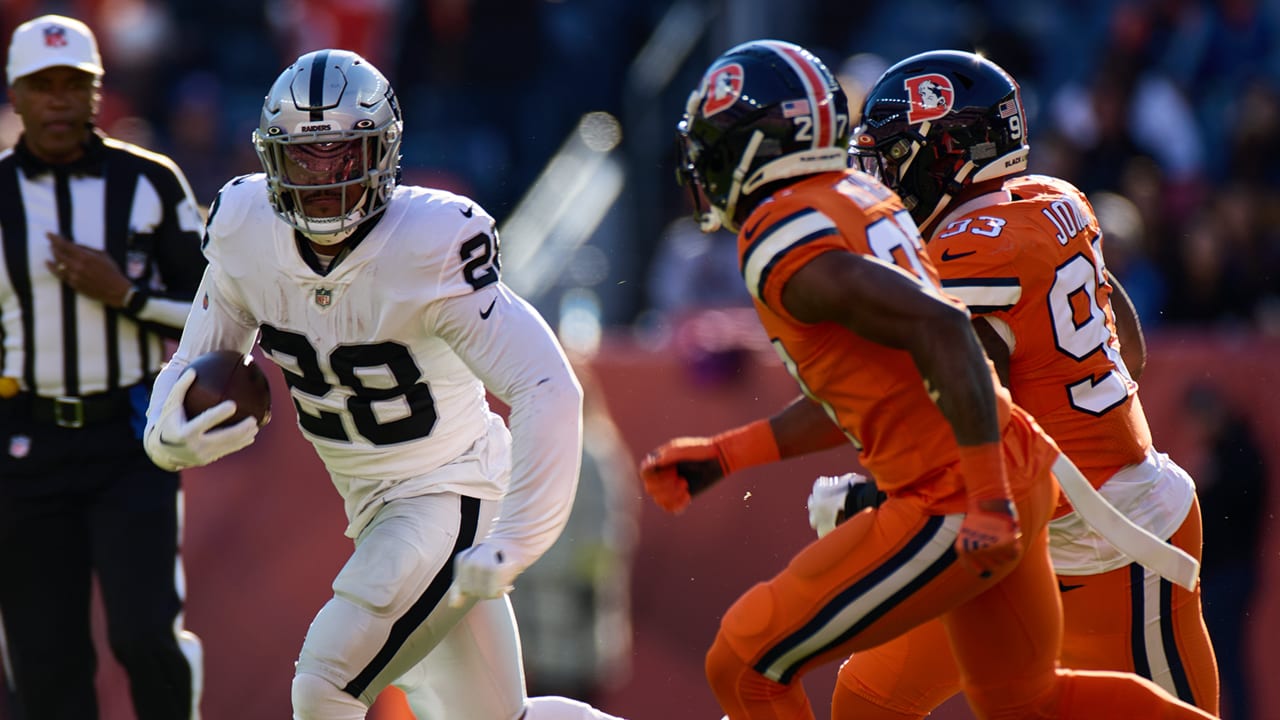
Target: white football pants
[389,623]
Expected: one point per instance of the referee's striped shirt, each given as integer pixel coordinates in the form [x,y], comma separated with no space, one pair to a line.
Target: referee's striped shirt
[134,204]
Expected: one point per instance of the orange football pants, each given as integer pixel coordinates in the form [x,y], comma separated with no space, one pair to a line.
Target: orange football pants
[1128,619]
[888,570]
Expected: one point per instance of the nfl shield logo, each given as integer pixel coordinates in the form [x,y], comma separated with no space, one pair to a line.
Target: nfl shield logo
[135,264]
[55,37]
[19,446]
[324,296]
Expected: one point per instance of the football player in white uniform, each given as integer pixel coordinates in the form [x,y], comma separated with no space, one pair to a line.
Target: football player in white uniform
[383,306]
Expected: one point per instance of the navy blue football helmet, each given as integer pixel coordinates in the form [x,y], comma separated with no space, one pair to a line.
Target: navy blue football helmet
[764,111]
[938,122]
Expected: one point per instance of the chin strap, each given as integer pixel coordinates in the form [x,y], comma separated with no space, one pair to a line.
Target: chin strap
[725,218]
[347,224]
[805,162]
[994,169]
[329,238]
[954,186]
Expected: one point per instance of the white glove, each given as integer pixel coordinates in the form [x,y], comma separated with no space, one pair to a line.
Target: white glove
[482,571]
[827,501]
[175,443]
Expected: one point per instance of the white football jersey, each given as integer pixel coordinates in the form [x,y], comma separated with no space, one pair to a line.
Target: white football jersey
[387,355]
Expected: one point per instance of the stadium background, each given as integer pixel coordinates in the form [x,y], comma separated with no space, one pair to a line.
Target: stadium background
[557,116]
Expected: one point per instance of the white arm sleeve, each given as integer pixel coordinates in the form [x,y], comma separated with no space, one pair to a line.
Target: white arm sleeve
[516,355]
[215,327]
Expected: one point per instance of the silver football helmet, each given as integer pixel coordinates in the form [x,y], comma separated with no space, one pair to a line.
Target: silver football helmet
[330,122]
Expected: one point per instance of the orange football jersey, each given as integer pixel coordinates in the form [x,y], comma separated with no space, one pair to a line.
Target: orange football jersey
[875,393]
[1030,255]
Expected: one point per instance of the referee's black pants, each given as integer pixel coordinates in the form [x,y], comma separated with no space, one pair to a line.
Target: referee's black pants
[76,503]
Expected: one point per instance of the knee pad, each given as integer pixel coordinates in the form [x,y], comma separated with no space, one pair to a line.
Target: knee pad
[746,693]
[315,698]
[722,667]
[385,573]
[846,703]
[750,615]
[742,630]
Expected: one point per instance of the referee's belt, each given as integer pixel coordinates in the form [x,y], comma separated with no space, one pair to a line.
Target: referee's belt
[72,411]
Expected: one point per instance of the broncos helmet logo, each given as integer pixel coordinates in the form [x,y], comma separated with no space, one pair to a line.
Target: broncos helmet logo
[931,96]
[722,89]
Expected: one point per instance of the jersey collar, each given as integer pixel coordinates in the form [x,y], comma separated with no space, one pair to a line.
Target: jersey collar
[312,260]
[973,204]
[90,163]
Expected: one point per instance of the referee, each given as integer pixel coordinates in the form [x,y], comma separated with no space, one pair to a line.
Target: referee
[99,264]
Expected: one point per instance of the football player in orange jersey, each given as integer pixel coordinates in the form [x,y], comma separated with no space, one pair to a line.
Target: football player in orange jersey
[843,285]
[1024,252]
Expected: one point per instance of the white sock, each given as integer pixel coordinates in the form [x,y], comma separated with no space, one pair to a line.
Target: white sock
[194,652]
[559,708]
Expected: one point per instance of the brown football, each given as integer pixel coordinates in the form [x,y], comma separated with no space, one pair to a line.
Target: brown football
[228,375]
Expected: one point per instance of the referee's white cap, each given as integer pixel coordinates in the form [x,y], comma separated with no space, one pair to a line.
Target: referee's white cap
[52,41]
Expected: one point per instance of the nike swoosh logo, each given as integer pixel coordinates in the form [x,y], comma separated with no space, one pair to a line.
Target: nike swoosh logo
[485,313]
[1067,588]
[468,212]
[750,232]
[948,255]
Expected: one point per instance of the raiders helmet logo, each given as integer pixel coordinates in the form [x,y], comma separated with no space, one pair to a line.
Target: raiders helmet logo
[722,89]
[931,97]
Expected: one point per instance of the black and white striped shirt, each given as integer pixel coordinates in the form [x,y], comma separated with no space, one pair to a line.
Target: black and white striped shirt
[134,204]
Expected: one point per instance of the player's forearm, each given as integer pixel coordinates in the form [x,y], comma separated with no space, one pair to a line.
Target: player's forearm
[1133,345]
[804,427]
[520,362]
[961,385]
[162,387]
[798,429]
[215,327]
[957,377]
[546,430]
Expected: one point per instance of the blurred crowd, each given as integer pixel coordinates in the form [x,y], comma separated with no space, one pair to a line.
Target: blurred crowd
[1167,112]
[1168,125]
[479,80]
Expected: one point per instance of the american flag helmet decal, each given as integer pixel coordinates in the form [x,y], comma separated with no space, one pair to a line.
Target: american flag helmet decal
[818,97]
